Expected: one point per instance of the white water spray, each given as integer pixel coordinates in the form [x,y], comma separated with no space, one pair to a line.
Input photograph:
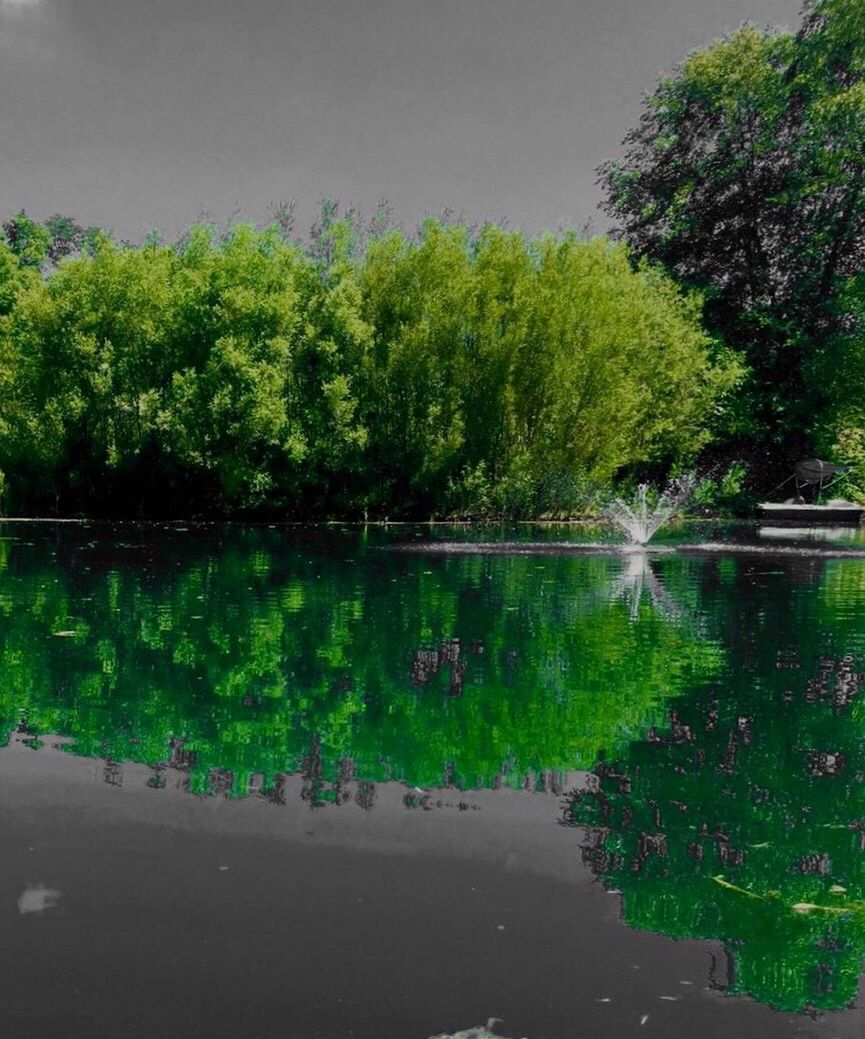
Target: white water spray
[639,519]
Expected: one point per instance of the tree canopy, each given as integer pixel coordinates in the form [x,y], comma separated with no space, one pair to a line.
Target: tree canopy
[240,372]
[745,178]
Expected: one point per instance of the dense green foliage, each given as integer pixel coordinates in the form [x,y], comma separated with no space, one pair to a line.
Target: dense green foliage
[746,179]
[741,819]
[473,372]
[245,656]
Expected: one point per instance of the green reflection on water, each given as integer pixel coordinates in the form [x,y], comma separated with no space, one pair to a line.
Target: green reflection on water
[721,696]
[259,653]
[743,817]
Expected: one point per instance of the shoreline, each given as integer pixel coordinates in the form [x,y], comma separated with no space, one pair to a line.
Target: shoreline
[584,521]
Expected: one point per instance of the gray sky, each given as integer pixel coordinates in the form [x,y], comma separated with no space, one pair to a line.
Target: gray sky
[140,114]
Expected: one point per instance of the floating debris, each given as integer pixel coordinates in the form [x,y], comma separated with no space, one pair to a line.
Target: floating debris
[810,907]
[36,898]
[477,1032]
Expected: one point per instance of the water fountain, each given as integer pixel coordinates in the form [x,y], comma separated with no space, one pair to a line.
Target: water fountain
[640,520]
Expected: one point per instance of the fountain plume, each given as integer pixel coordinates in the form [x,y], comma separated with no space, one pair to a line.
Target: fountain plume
[640,520]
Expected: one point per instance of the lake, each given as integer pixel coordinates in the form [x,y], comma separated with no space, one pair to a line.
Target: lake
[298,782]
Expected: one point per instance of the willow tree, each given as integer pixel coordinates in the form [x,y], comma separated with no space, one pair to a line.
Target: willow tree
[93,347]
[615,367]
[29,446]
[416,297]
[240,372]
[227,409]
[514,371]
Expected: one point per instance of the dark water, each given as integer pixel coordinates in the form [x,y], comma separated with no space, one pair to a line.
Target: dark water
[294,783]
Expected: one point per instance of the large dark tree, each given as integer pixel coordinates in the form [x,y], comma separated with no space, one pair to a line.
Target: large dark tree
[746,178]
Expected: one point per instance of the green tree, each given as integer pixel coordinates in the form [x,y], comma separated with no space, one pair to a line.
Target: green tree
[615,368]
[240,373]
[416,298]
[228,411]
[68,237]
[331,358]
[510,370]
[745,179]
[27,446]
[91,347]
[29,240]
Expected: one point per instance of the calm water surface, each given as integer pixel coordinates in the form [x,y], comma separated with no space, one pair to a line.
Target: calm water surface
[295,783]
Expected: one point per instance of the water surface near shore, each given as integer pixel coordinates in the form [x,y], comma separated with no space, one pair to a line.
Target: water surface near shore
[290,782]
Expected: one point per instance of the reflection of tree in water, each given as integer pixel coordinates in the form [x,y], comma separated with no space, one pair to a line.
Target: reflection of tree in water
[743,818]
[235,660]
[428,663]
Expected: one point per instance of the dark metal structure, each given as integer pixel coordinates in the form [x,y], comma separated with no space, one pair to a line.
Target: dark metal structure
[815,473]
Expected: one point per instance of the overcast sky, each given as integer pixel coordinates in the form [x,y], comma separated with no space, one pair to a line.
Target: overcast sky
[141,114]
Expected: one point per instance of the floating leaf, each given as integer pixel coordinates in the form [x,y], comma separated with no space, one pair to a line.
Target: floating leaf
[810,907]
[741,890]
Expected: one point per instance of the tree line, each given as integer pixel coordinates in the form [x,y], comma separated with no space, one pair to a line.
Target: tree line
[465,371]
[384,375]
